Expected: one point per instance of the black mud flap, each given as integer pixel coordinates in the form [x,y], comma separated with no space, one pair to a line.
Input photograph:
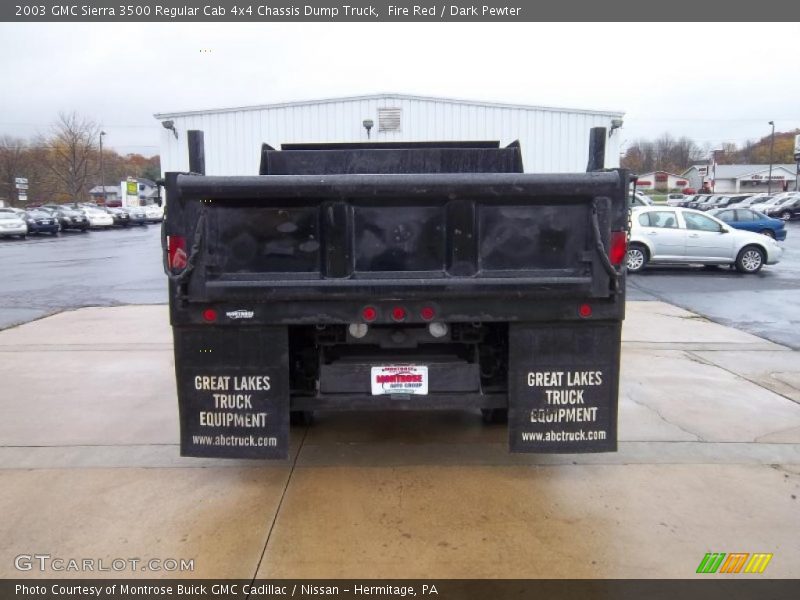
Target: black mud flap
[563,386]
[233,391]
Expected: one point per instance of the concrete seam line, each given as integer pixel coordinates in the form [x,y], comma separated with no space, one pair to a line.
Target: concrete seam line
[710,362]
[278,509]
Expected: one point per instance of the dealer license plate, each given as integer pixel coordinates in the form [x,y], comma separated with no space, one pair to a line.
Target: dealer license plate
[399,379]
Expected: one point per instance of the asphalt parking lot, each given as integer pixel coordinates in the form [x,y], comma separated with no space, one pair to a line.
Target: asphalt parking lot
[44,275]
[764,304]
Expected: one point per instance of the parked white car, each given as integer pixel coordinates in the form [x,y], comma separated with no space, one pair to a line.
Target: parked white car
[686,236]
[153,213]
[98,218]
[675,199]
[12,224]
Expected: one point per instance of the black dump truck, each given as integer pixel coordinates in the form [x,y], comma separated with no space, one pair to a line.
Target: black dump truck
[399,276]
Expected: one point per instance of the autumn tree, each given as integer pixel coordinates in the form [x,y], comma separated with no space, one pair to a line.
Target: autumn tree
[663,154]
[73,154]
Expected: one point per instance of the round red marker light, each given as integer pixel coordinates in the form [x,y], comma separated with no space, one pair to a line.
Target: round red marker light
[398,313]
[369,313]
[585,310]
[209,315]
[427,313]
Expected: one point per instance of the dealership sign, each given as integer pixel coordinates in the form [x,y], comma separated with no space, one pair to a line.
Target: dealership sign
[797,148]
[758,177]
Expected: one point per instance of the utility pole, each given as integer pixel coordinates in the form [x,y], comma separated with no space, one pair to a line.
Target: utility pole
[771,146]
[102,173]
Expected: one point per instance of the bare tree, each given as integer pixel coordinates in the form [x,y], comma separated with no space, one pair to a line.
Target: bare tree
[73,154]
[664,154]
[640,157]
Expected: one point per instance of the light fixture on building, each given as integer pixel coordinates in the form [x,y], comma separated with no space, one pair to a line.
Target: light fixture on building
[368,124]
[615,124]
[170,125]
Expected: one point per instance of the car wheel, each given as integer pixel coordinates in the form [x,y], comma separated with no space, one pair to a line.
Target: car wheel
[637,258]
[768,233]
[750,260]
[786,215]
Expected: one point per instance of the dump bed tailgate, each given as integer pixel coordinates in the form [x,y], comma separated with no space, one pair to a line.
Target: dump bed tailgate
[290,236]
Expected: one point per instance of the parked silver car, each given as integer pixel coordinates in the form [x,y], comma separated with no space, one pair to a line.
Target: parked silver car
[686,236]
[12,224]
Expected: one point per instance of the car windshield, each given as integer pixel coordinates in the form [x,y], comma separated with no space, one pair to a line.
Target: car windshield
[37,214]
[7,215]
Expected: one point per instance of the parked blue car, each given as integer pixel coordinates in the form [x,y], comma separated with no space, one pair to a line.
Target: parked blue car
[750,220]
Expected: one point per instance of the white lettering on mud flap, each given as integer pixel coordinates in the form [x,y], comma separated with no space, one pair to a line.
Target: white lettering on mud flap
[235,414]
[560,398]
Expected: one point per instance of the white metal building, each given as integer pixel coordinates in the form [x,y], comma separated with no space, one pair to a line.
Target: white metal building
[552,139]
[745,178]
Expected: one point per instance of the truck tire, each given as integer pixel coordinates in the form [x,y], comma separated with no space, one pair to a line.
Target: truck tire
[301,418]
[637,258]
[786,215]
[750,260]
[493,416]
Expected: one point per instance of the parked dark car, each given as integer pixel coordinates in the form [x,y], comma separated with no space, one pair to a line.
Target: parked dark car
[750,220]
[70,218]
[121,218]
[136,214]
[789,209]
[699,200]
[717,202]
[41,221]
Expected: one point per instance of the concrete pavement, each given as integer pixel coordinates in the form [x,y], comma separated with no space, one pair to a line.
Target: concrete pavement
[709,460]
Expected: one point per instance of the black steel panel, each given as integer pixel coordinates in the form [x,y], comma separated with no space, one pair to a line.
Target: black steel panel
[393,238]
[562,383]
[399,402]
[462,239]
[354,377]
[266,239]
[329,159]
[550,236]
[389,145]
[233,391]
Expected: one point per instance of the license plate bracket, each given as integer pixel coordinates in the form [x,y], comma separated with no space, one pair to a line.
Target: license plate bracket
[399,379]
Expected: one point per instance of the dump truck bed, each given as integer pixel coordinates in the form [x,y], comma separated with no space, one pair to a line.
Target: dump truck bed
[422,276]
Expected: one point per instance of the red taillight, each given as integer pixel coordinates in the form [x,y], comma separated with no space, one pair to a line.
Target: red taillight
[619,247]
[398,313]
[427,313]
[585,310]
[209,315]
[176,253]
[369,313]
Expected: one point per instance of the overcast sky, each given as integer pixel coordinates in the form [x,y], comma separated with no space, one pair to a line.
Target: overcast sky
[711,82]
